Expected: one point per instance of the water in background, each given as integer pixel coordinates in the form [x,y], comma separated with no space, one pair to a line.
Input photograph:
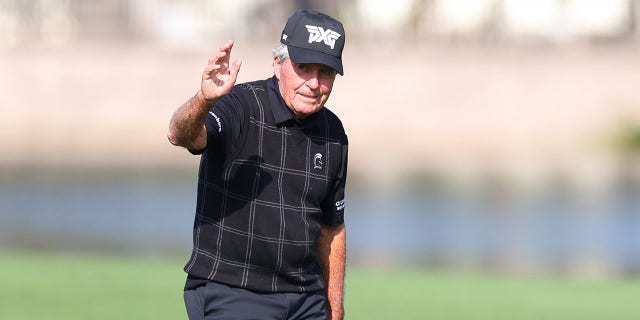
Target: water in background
[151,213]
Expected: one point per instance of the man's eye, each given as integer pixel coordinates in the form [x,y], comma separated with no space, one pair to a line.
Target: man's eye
[326,71]
[302,66]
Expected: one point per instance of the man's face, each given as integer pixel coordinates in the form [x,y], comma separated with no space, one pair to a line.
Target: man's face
[304,87]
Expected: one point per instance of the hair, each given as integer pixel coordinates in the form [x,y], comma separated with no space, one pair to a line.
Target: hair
[282,52]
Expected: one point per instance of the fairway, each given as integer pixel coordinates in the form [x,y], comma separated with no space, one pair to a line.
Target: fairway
[445,295]
[47,286]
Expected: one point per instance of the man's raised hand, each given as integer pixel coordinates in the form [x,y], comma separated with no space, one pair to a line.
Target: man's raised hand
[220,75]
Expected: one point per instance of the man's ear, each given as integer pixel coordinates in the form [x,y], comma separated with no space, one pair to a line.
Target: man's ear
[277,66]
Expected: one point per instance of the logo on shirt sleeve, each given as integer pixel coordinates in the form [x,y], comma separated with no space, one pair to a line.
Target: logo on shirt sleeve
[339,205]
[217,121]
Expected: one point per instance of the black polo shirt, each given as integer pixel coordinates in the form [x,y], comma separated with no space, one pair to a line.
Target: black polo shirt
[267,183]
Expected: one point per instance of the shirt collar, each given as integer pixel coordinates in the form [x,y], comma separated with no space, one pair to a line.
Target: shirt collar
[282,113]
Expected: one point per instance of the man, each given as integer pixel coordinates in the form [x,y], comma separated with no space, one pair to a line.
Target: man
[269,235]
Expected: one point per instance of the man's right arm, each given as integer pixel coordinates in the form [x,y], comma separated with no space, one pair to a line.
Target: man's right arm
[187,128]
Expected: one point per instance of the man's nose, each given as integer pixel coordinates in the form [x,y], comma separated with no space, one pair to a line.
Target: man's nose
[313,82]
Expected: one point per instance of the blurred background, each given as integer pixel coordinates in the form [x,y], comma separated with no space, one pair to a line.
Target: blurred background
[488,135]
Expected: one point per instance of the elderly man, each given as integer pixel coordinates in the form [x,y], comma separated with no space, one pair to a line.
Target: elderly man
[269,235]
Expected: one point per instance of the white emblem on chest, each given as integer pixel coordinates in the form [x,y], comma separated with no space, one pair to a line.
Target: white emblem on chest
[317,161]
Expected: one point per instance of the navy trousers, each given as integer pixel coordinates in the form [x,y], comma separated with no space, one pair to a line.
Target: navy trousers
[217,301]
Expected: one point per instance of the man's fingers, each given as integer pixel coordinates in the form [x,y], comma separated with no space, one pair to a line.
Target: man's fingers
[227,46]
[212,67]
[224,50]
[219,62]
[235,66]
[220,57]
[233,71]
[223,53]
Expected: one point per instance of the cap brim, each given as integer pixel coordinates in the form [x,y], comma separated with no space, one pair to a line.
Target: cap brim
[303,55]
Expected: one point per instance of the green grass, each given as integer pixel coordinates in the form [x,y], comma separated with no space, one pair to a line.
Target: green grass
[442,295]
[46,286]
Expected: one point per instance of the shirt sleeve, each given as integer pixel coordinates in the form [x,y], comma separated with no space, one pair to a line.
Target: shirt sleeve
[224,124]
[333,206]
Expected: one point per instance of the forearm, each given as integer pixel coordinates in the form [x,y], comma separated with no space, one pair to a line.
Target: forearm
[186,128]
[332,250]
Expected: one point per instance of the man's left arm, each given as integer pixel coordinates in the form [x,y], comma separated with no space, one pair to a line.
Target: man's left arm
[332,249]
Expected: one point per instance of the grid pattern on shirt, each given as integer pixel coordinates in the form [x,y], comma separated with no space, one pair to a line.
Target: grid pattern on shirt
[259,213]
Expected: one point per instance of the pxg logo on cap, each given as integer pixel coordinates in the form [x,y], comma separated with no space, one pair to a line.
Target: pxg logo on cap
[317,34]
[314,37]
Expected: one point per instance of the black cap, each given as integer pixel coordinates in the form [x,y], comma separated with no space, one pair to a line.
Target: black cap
[314,37]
